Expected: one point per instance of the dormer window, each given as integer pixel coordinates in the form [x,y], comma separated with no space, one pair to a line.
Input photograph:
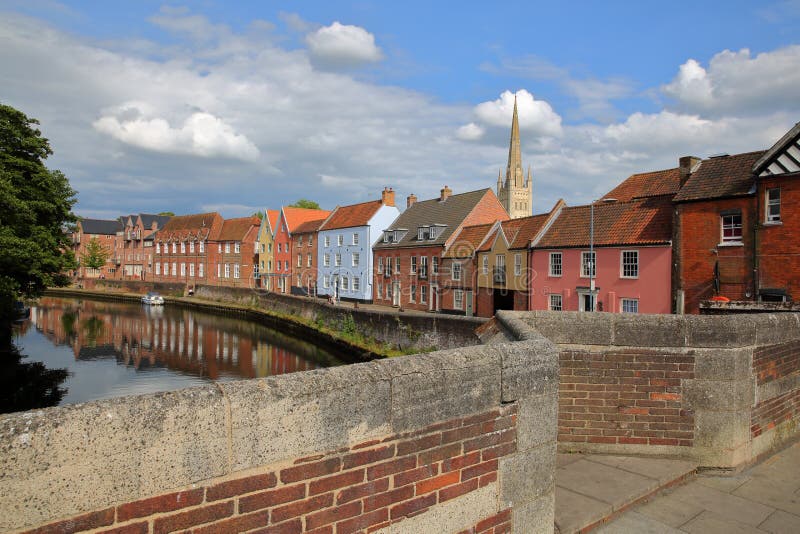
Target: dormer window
[422,233]
[432,232]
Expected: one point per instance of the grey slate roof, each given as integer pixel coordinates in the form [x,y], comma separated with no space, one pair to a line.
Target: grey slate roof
[450,213]
[147,220]
[100,226]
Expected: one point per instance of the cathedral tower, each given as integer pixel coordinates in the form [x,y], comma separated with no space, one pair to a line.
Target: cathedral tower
[516,194]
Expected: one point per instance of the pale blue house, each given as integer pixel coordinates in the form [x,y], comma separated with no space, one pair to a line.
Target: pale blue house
[344,250]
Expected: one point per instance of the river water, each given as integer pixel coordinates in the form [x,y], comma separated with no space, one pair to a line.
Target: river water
[113,349]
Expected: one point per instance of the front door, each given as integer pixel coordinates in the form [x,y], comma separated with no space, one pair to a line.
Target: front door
[468,304]
[395,293]
[587,302]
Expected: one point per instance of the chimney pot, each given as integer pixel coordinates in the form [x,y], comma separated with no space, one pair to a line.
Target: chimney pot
[387,196]
[445,193]
[411,200]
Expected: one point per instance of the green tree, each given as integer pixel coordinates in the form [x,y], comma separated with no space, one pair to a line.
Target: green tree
[305,203]
[35,211]
[167,213]
[95,255]
[259,214]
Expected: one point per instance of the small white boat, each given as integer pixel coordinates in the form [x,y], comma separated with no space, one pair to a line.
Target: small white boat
[153,299]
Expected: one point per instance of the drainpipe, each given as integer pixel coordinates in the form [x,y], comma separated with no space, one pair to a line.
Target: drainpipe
[756,223]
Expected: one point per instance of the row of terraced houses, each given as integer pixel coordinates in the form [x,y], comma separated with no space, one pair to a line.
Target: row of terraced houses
[669,241]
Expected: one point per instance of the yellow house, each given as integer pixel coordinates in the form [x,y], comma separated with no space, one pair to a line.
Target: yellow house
[504,279]
[266,252]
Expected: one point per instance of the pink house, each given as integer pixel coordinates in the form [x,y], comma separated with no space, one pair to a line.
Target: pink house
[632,259]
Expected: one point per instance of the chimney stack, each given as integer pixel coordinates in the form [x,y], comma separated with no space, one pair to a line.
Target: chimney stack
[685,166]
[411,200]
[445,194]
[387,196]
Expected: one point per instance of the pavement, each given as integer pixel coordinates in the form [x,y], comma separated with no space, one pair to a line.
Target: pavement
[620,495]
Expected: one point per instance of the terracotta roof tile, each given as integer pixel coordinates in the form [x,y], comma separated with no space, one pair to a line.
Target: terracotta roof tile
[309,227]
[272,217]
[639,222]
[203,225]
[720,177]
[352,215]
[297,216]
[236,229]
[647,184]
[468,241]
[519,232]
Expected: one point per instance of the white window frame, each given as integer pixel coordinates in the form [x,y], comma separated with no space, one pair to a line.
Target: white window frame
[326,281]
[629,304]
[455,270]
[555,302]
[397,265]
[227,270]
[219,247]
[552,264]
[423,294]
[191,270]
[435,264]
[308,260]
[227,247]
[236,247]
[326,260]
[772,216]
[412,297]
[183,247]
[380,267]
[356,283]
[311,240]
[236,270]
[588,258]
[485,264]
[355,259]
[732,225]
[299,260]
[327,240]
[355,238]
[458,299]
[628,269]
[183,269]
[517,264]
[174,268]
[200,272]
[337,259]
[158,268]
[345,283]
[202,247]
[340,239]
[174,248]
[413,265]
[158,248]
[423,265]
[191,247]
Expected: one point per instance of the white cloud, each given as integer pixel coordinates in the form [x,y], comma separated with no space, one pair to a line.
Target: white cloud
[736,82]
[201,134]
[343,45]
[535,116]
[470,132]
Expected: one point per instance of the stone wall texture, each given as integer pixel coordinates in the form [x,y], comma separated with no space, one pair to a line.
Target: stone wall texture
[720,390]
[453,441]
[402,330]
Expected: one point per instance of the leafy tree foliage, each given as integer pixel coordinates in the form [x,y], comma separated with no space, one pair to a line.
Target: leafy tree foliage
[95,255]
[167,213]
[305,203]
[35,209]
[259,214]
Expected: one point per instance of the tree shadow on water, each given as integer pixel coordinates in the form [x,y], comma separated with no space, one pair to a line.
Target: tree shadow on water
[26,385]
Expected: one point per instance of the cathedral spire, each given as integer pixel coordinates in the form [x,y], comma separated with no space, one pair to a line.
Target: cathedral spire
[514,176]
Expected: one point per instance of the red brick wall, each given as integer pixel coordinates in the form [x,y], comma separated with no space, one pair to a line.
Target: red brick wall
[364,487]
[405,277]
[488,210]
[308,274]
[772,363]
[779,245]
[698,229]
[484,302]
[626,396]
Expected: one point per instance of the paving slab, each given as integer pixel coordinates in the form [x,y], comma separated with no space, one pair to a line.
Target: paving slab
[603,483]
[670,511]
[566,459]
[636,523]
[723,504]
[711,523]
[781,522]
[722,483]
[779,494]
[662,469]
[575,511]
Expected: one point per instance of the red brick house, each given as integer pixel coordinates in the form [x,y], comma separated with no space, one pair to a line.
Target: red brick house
[136,245]
[184,249]
[713,230]
[304,252]
[408,260]
[105,232]
[459,267]
[777,238]
[289,219]
[234,255]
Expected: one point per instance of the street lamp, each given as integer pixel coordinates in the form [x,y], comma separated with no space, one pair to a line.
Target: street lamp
[592,261]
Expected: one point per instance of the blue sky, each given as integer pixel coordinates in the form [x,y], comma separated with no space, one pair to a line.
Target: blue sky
[235,106]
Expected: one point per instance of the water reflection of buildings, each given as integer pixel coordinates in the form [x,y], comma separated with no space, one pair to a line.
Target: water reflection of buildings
[186,342]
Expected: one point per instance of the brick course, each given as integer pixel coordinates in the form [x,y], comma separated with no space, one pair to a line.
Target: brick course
[772,363]
[624,396]
[362,488]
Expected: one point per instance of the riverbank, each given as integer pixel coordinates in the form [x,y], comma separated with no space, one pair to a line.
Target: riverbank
[362,333]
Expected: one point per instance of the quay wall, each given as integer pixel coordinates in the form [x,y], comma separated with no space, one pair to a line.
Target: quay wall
[450,441]
[720,390]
